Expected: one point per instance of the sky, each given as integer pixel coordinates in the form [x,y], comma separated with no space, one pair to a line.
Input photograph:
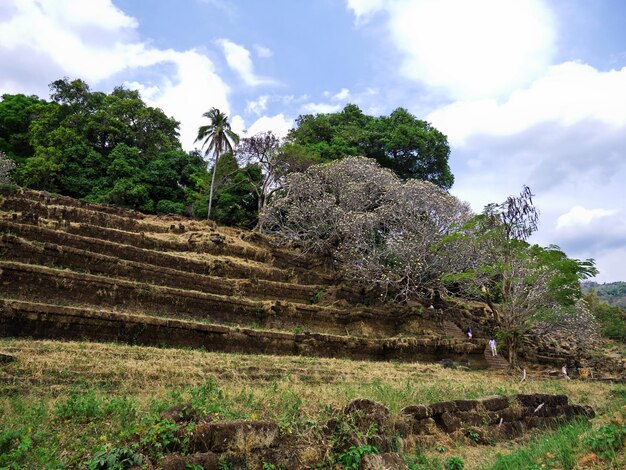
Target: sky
[529,92]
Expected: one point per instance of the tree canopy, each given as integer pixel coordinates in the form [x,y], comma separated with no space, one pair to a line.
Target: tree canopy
[411,147]
[100,147]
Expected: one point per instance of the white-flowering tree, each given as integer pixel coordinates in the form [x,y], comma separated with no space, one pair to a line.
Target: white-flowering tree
[378,230]
[6,167]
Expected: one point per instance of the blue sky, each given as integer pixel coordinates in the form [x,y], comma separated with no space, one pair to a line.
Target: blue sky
[528,91]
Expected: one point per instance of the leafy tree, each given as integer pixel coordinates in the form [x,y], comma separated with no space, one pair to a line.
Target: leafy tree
[100,147]
[218,138]
[528,288]
[16,115]
[412,148]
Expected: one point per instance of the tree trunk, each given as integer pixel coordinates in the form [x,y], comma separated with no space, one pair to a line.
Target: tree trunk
[208,215]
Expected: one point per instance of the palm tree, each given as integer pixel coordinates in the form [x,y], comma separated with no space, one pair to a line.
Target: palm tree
[218,139]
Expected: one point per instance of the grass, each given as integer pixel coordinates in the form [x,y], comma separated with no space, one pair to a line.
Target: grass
[62,403]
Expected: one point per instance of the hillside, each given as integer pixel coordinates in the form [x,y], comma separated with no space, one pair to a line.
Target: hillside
[75,270]
[614,293]
[180,343]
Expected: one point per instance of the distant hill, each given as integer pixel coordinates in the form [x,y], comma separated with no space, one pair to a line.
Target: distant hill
[613,293]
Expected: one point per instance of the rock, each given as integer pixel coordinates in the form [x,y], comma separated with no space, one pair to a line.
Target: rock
[367,413]
[466,405]
[390,461]
[449,422]
[234,436]
[416,411]
[6,359]
[181,414]
[443,407]
[207,460]
[173,462]
[537,399]
[495,403]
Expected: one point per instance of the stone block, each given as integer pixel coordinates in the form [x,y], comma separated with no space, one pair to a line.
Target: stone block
[234,436]
[495,403]
[466,405]
[449,422]
[443,407]
[416,411]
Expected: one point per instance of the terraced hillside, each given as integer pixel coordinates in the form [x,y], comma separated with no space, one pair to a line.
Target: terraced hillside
[75,270]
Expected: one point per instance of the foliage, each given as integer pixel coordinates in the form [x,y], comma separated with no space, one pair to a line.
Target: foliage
[412,148]
[527,287]
[454,463]
[218,138]
[611,318]
[351,458]
[109,148]
[612,292]
[607,440]
[114,459]
[379,230]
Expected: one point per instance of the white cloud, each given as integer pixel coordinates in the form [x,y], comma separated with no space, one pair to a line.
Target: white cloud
[319,108]
[578,216]
[96,41]
[238,59]
[364,8]
[263,52]
[257,106]
[479,48]
[569,93]
[278,124]
[342,94]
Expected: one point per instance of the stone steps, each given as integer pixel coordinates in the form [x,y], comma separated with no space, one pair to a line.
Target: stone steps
[57,256]
[452,330]
[44,320]
[495,362]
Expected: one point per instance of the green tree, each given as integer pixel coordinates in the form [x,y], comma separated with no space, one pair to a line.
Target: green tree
[411,147]
[527,287]
[218,138]
[16,115]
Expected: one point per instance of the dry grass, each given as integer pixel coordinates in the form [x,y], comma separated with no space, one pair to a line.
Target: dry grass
[258,387]
[53,366]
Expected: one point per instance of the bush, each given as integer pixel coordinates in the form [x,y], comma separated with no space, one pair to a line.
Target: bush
[169,207]
[114,459]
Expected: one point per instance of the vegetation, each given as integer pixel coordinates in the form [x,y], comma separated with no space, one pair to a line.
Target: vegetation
[218,138]
[412,148]
[613,293]
[83,411]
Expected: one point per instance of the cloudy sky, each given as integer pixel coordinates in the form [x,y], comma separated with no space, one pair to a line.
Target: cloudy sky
[528,91]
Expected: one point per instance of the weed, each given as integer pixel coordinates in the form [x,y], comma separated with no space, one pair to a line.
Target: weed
[114,459]
[454,463]
[607,440]
[473,435]
[13,447]
[80,406]
[296,330]
[351,458]
[158,436]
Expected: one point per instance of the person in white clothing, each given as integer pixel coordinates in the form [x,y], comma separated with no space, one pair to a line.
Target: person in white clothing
[492,345]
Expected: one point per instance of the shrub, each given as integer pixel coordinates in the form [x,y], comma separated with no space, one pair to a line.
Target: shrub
[114,459]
